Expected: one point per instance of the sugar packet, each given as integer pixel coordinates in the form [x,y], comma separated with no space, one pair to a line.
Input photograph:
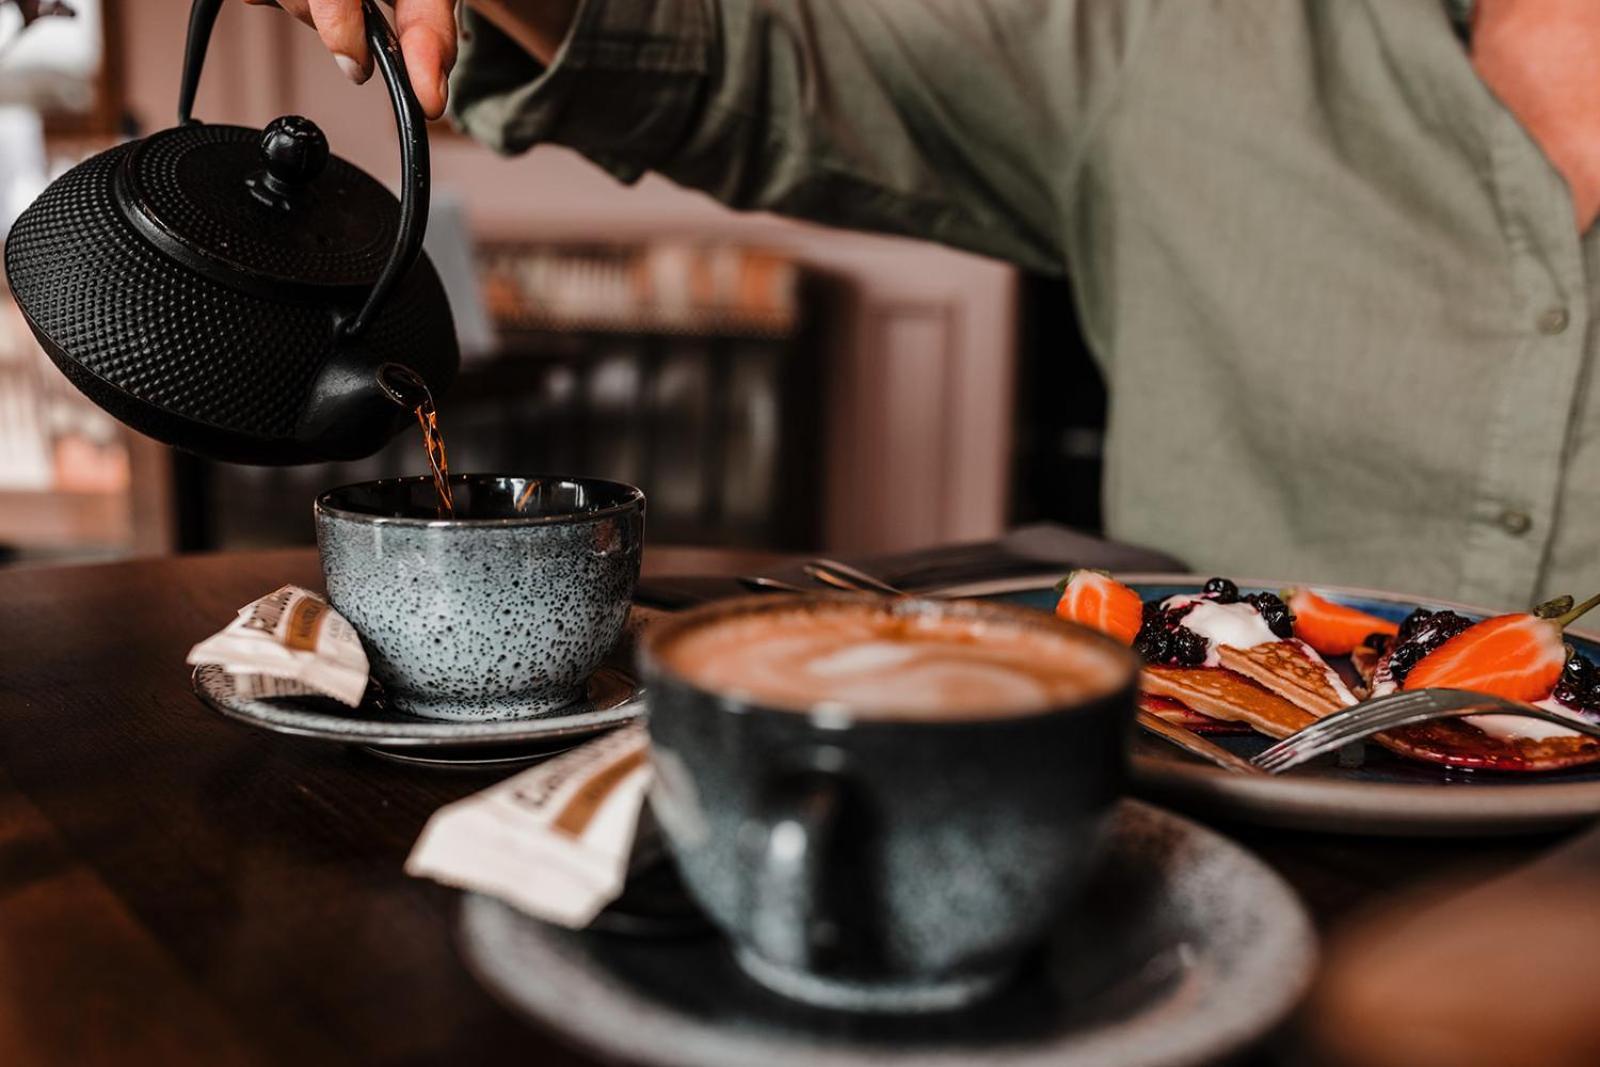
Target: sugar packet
[289,643]
[553,841]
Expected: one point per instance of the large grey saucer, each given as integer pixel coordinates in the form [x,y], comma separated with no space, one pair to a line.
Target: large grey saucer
[1389,796]
[1185,948]
[613,698]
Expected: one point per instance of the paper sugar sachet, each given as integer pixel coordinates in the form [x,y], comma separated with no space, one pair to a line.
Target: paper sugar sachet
[553,841]
[289,643]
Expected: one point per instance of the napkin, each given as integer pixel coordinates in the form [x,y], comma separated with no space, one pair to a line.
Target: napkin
[288,643]
[554,841]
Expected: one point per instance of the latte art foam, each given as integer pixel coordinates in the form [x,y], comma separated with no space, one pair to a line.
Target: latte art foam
[876,663]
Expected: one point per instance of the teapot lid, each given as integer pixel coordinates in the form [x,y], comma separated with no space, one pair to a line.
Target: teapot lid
[269,211]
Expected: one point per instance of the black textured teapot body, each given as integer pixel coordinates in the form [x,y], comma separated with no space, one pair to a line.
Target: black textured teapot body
[233,291]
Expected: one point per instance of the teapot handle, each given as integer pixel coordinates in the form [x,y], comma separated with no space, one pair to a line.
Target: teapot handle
[409,121]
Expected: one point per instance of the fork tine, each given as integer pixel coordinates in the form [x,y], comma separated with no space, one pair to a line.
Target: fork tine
[1342,727]
[1339,721]
[1387,713]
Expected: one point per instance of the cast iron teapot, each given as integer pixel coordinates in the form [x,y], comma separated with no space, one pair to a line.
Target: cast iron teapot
[235,292]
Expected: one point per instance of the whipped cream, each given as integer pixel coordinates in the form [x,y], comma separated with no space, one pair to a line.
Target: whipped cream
[1499,727]
[1520,727]
[1240,625]
[1237,625]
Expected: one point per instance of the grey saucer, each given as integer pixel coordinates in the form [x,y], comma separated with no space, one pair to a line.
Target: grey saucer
[1184,949]
[613,697]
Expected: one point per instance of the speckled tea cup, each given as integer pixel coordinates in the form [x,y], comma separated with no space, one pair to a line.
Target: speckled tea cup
[501,612]
[900,864]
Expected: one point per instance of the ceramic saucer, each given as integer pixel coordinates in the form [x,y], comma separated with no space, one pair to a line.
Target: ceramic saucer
[614,697]
[1184,949]
[1383,794]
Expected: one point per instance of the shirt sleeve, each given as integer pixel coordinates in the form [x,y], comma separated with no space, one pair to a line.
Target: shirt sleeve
[960,121]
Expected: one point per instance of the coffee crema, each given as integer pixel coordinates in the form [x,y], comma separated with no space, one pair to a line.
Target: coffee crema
[877,663]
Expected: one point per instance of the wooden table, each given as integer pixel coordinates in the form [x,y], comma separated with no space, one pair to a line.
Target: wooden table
[176,888]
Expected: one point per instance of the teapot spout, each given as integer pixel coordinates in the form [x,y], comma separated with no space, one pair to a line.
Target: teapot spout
[355,408]
[404,386]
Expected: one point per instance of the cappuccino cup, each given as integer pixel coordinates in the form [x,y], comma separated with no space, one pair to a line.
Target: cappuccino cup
[883,803]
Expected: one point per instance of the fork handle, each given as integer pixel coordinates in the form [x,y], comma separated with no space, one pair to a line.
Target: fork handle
[1194,744]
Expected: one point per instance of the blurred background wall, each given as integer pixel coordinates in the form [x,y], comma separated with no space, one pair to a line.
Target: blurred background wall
[766,382]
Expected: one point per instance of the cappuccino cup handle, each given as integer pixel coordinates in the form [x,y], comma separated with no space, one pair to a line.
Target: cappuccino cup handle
[793,923]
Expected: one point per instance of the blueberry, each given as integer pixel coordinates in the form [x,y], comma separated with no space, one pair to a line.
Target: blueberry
[1274,612]
[1222,590]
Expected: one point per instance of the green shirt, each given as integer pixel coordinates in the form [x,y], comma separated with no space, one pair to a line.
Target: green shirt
[1336,290]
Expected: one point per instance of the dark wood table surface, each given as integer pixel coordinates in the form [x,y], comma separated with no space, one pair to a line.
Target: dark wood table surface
[177,888]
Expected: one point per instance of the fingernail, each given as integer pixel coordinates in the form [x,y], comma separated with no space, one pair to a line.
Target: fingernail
[352,70]
[444,90]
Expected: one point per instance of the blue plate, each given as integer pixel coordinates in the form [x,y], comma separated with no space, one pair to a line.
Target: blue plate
[1386,794]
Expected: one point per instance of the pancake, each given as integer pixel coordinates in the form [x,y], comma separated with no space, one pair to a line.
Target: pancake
[1222,694]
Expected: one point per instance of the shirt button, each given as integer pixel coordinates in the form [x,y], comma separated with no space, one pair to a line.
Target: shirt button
[1553,320]
[1514,522]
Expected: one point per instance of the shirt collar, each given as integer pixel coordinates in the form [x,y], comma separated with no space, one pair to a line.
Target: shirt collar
[1461,15]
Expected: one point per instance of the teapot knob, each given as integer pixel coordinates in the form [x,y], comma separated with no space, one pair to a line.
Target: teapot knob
[295,151]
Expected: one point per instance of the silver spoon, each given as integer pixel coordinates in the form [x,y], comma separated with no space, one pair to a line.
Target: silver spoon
[843,576]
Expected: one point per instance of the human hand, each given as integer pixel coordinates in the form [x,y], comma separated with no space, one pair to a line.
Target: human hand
[427,31]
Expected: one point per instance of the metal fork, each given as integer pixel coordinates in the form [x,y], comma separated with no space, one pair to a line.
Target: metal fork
[1396,710]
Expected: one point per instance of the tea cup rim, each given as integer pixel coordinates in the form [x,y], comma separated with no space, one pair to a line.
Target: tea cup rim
[632,499]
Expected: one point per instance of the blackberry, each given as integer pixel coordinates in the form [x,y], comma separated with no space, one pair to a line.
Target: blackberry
[1222,591]
[1274,612]
[1420,634]
[1153,645]
[1579,685]
[1412,623]
[1188,648]
[1162,638]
